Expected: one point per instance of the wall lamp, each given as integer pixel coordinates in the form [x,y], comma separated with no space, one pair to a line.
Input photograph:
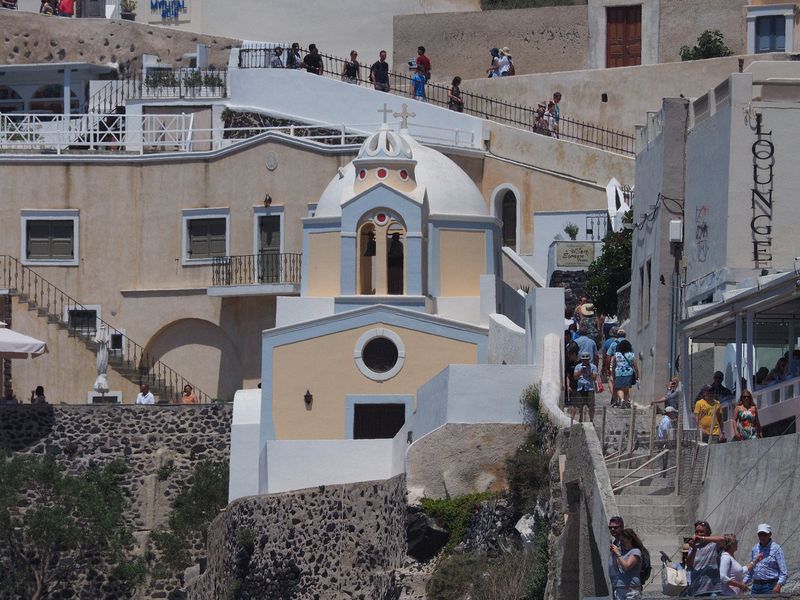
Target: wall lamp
[267,200]
[308,398]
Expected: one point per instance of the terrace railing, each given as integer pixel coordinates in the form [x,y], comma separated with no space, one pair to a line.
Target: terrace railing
[129,358]
[256,269]
[485,107]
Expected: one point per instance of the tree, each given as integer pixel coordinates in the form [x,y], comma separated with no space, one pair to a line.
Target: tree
[53,524]
[710,44]
[610,271]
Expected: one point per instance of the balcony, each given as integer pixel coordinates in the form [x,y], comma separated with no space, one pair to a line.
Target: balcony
[266,274]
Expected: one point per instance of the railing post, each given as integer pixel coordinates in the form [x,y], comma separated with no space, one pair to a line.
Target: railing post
[632,436]
[652,428]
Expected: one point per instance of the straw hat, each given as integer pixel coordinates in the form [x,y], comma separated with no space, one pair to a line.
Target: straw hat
[506,50]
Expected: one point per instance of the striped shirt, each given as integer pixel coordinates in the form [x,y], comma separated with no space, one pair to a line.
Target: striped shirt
[772,566]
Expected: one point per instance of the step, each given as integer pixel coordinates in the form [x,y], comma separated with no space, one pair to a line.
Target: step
[657,487]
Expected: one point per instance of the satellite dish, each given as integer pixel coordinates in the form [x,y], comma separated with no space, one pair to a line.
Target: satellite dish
[617,206]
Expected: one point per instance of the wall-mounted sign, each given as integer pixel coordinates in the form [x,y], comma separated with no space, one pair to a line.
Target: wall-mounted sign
[763,151]
[169,10]
[574,255]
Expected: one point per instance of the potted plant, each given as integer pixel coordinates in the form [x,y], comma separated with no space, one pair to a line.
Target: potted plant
[571,230]
[127,9]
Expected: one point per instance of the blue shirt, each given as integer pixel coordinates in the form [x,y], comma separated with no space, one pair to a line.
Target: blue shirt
[586,344]
[772,566]
[612,347]
[584,383]
[418,81]
[663,427]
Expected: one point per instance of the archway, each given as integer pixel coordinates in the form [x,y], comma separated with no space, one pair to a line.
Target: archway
[381,267]
[367,248]
[201,352]
[506,207]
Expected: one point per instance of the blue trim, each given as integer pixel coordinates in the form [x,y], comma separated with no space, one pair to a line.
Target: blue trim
[351,401]
[434,278]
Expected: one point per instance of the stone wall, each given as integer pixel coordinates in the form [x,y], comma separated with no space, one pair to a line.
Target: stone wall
[574,284]
[330,542]
[148,438]
[541,40]
[683,21]
[33,38]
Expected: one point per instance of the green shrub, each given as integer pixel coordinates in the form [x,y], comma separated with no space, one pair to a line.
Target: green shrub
[710,44]
[455,577]
[571,230]
[453,514]
[164,471]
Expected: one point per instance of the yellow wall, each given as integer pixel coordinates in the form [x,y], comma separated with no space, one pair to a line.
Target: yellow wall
[323,264]
[325,366]
[462,256]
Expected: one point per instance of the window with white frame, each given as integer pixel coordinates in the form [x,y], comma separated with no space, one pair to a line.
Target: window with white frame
[206,235]
[49,237]
[770,28]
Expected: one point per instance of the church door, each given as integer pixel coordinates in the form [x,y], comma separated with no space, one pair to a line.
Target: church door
[394,264]
[377,421]
[509,218]
[623,36]
[269,249]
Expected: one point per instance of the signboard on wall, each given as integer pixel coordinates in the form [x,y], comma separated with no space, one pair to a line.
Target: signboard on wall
[571,254]
[169,11]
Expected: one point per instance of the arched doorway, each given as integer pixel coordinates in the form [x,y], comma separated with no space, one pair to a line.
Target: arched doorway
[395,261]
[367,249]
[381,250]
[508,215]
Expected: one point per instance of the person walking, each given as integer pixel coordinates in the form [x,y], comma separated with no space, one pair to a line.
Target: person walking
[379,73]
[277,61]
[424,62]
[145,395]
[454,100]
[554,111]
[293,58]
[494,67]
[585,374]
[731,573]
[626,373]
[703,561]
[708,412]
[313,61]
[418,85]
[748,426]
[628,561]
[769,572]
[351,72]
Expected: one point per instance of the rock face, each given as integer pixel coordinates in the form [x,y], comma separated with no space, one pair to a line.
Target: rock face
[161,445]
[330,542]
[425,537]
[33,38]
[491,528]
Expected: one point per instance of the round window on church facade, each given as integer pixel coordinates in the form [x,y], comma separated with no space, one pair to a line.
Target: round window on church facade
[362,174]
[379,354]
[381,173]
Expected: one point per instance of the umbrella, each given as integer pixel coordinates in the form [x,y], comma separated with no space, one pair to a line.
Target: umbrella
[17,345]
[102,339]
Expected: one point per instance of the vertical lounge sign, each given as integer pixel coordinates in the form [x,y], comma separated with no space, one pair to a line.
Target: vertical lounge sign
[761,196]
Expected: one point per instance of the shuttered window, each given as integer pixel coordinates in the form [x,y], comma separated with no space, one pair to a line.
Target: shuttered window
[50,239]
[207,238]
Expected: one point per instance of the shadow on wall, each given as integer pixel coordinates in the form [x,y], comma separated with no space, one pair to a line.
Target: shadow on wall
[202,352]
[22,427]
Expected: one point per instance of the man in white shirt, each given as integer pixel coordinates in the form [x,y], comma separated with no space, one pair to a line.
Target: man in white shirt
[667,423]
[145,396]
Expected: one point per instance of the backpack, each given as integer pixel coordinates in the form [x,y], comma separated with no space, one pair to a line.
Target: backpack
[511,69]
[647,568]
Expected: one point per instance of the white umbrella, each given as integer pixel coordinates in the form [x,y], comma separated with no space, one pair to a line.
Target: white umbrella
[17,345]
[102,339]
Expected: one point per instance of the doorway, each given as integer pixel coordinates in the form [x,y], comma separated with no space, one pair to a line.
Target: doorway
[377,421]
[623,36]
[269,249]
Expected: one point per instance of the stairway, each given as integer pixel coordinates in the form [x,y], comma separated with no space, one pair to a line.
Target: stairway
[646,498]
[130,360]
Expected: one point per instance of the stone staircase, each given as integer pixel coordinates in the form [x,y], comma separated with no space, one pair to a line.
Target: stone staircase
[130,361]
[646,499]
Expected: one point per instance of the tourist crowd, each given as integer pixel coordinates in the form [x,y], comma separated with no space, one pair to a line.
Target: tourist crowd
[708,565]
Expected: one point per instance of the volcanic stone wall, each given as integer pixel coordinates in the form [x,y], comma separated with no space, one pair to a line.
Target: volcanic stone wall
[330,542]
[160,444]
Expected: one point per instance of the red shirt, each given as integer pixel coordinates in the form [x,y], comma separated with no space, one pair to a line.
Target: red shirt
[67,7]
[424,62]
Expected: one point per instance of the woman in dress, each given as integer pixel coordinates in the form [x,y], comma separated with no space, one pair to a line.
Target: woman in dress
[703,561]
[351,69]
[731,573]
[746,414]
[623,365]
[627,560]
[188,396]
[454,100]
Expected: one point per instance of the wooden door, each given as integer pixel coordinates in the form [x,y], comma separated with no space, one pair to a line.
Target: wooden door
[623,36]
[377,421]
[269,248]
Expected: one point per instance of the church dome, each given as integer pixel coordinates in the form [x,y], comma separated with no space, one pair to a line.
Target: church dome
[450,190]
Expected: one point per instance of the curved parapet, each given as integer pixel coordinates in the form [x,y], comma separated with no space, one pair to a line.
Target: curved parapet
[551,384]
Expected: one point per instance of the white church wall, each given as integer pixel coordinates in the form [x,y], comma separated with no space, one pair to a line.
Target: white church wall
[298,464]
[460,308]
[246,443]
[294,309]
[506,341]
[295,94]
[544,314]
[512,303]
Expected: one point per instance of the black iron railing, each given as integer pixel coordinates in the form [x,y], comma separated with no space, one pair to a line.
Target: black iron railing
[161,83]
[485,107]
[256,269]
[126,356]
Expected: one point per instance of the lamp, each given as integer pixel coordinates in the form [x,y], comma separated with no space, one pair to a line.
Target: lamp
[267,200]
[308,398]
[370,249]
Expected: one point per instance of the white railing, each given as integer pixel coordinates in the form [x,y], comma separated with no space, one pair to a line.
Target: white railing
[111,132]
[777,393]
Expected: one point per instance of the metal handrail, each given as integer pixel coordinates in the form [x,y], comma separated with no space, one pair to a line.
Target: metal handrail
[56,304]
[256,269]
[485,107]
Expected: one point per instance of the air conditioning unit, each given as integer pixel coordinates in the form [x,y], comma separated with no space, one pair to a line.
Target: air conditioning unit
[676,231]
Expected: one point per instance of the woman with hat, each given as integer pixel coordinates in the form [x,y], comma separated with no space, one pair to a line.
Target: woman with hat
[624,367]
[504,64]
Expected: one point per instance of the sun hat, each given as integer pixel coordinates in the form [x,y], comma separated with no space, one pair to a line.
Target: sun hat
[621,332]
[585,355]
[587,310]
[764,528]
[670,409]
[506,50]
